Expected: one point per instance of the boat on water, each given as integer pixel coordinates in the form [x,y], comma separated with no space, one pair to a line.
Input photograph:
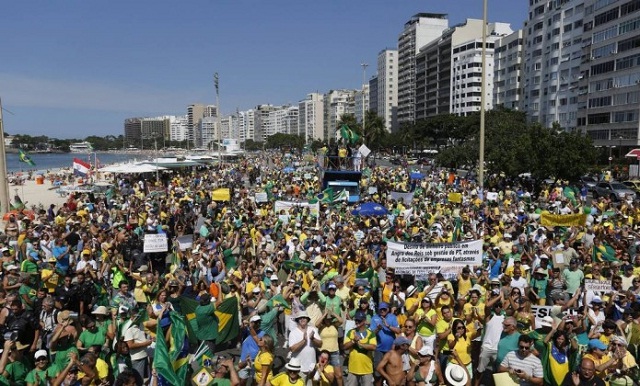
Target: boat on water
[81,147]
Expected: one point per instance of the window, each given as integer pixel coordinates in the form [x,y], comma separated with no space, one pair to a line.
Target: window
[595,119]
[602,68]
[629,25]
[606,16]
[629,7]
[568,27]
[605,34]
[629,44]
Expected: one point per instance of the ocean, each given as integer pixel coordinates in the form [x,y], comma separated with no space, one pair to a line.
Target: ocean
[48,161]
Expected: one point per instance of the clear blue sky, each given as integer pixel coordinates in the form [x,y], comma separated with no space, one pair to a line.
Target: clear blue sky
[75,68]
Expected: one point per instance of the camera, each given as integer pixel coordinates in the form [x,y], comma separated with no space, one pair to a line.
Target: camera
[10,335]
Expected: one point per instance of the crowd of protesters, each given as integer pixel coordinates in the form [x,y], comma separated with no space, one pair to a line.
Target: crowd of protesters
[75,281]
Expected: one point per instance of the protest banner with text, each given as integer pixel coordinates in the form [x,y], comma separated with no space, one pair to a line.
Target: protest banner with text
[423,255]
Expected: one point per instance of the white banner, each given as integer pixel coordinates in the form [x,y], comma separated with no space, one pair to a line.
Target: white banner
[365,151]
[422,255]
[286,205]
[597,285]
[492,196]
[155,243]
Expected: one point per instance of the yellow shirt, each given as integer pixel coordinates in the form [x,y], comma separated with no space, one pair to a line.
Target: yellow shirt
[360,360]
[463,348]
[464,286]
[282,379]
[329,337]
[251,285]
[102,369]
[597,362]
[52,282]
[424,329]
[263,359]
[468,309]
[323,380]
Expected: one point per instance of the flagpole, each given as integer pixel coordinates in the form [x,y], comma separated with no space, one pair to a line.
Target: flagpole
[482,100]
[4,182]
[216,83]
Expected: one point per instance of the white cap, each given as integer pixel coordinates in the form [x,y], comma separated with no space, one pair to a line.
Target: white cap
[273,277]
[40,354]
[255,318]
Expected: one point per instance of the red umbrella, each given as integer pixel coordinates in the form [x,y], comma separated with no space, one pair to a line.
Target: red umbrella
[28,213]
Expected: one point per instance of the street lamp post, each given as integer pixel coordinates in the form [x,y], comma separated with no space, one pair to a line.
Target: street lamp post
[482,97]
[4,181]
[216,82]
[364,109]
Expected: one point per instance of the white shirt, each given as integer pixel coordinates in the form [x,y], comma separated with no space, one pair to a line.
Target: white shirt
[519,283]
[492,332]
[137,336]
[307,355]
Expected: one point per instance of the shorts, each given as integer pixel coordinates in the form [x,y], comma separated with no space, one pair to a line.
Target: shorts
[335,359]
[487,357]
[377,358]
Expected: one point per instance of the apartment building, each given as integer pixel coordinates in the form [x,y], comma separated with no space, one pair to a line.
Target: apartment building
[508,69]
[387,88]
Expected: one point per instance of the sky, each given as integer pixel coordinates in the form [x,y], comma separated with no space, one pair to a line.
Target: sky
[74,68]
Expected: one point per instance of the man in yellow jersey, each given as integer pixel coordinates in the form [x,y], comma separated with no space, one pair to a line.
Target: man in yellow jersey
[362,342]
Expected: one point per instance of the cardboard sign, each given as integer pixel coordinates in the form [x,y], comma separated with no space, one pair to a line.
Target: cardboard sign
[492,196]
[185,242]
[155,243]
[261,197]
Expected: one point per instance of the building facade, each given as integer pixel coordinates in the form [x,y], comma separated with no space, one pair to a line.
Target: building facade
[420,30]
[311,117]
[336,104]
[387,88]
[609,88]
[553,55]
[508,71]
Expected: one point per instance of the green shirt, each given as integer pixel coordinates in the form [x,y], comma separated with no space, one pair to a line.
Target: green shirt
[89,338]
[207,322]
[18,371]
[506,344]
[30,292]
[43,375]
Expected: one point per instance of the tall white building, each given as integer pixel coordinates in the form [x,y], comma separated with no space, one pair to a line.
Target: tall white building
[208,130]
[179,128]
[449,70]
[246,125]
[508,71]
[283,120]
[387,90]
[420,30]
[609,86]
[311,117]
[553,53]
[336,104]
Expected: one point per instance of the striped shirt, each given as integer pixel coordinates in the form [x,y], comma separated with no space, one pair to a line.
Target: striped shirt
[530,365]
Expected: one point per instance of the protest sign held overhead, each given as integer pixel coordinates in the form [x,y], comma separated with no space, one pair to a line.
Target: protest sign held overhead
[419,255]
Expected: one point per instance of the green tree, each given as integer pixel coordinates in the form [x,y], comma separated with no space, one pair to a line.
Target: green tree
[375,131]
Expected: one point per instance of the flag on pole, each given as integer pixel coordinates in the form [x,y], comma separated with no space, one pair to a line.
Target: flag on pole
[80,167]
[24,157]
[342,196]
[171,362]
[348,135]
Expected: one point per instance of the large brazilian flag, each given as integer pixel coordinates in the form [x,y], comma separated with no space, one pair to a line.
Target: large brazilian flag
[227,313]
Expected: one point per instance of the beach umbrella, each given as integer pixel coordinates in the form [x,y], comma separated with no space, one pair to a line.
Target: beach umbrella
[370,209]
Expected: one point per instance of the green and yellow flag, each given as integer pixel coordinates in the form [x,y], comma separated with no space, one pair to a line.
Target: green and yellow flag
[172,362]
[24,157]
[227,313]
[603,252]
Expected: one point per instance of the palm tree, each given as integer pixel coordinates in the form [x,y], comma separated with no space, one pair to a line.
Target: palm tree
[375,131]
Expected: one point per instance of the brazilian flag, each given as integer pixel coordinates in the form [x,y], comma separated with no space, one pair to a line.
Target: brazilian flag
[457,230]
[172,361]
[348,135]
[603,252]
[24,157]
[227,313]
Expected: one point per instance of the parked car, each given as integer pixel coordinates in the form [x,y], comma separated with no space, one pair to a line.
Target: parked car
[633,184]
[589,181]
[614,190]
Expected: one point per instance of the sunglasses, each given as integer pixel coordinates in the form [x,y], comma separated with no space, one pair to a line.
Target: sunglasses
[524,347]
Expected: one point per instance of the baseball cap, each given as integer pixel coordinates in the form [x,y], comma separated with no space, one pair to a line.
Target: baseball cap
[383,306]
[274,278]
[360,316]
[597,343]
[40,354]
[401,340]
[331,286]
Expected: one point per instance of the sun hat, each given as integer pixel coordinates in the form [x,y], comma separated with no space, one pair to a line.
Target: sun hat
[456,375]
[100,310]
[425,350]
[40,354]
[63,316]
[293,365]
[541,271]
[411,290]
[302,314]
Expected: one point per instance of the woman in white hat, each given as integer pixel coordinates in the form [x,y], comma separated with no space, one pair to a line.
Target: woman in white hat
[290,377]
[302,342]
[427,371]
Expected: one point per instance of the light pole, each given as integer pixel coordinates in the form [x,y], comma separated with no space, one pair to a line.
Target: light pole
[364,109]
[482,97]
[4,182]
[216,82]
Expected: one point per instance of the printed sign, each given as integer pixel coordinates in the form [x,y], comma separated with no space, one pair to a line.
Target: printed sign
[449,272]
[423,255]
[155,243]
[492,196]
[597,285]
